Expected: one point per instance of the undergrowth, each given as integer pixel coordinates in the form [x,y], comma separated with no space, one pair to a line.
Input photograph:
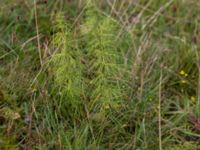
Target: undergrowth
[107,75]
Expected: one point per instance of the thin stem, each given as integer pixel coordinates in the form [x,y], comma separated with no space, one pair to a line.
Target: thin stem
[198,86]
[159,113]
[37,30]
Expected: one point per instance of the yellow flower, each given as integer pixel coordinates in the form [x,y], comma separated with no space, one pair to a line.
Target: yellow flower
[185,74]
[182,72]
[193,99]
[183,81]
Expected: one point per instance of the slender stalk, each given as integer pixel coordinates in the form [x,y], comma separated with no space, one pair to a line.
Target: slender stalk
[198,86]
[37,31]
[159,112]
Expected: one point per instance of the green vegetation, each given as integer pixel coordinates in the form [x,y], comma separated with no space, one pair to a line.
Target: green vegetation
[95,75]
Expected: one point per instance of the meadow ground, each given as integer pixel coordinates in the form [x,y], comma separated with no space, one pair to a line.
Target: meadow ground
[100,75]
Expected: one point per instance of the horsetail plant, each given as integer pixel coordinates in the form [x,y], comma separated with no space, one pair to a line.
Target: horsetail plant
[96,81]
[103,57]
[66,64]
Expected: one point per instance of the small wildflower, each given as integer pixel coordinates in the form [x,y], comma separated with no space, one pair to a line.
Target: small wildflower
[183,81]
[193,99]
[182,72]
[185,74]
